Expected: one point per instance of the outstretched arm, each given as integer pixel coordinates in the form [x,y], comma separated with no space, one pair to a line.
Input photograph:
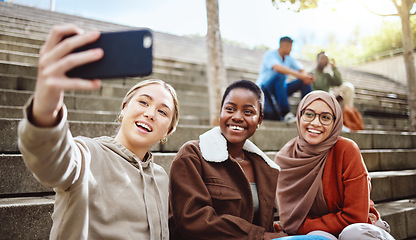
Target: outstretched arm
[47,146]
[55,59]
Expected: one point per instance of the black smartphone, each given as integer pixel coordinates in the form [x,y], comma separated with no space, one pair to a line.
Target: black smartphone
[126,54]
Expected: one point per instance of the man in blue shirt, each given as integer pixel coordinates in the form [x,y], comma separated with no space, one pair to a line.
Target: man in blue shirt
[276,65]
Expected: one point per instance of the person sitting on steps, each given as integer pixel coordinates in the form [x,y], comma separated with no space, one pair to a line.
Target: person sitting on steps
[343,91]
[276,66]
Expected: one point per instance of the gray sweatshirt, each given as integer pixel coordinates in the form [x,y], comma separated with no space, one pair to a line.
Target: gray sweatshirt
[103,190]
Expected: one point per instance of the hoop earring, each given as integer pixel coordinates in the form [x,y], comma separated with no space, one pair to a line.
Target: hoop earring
[164,140]
[120,118]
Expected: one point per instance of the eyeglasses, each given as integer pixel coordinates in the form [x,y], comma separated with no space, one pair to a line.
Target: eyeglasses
[309,115]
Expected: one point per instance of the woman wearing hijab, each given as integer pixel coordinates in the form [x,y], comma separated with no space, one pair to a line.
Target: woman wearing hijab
[323,187]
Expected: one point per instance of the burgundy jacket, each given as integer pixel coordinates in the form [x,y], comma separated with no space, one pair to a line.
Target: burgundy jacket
[210,196]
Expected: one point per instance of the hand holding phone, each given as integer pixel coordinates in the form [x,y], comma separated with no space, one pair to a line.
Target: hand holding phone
[126,54]
[54,61]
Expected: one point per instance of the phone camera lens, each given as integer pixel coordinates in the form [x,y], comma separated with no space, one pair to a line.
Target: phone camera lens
[147,41]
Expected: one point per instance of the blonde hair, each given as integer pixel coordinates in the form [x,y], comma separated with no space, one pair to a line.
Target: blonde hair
[133,90]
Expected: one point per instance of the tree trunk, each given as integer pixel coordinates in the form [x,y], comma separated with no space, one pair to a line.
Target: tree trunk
[216,72]
[409,61]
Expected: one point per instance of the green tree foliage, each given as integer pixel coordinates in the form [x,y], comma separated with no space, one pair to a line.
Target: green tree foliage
[387,38]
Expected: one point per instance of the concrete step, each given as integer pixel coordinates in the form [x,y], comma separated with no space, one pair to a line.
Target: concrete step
[26,218]
[389,159]
[392,127]
[387,105]
[21,38]
[16,112]
[23,27]
[17,179]
[13,56]
[396,94]
[393,185]
[17,81]
[18,68]
[372,82]
[19,47]
[32,24]
[381,123]
[401,215]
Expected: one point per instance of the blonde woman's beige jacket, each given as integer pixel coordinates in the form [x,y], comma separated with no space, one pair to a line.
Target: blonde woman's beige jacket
[103,191]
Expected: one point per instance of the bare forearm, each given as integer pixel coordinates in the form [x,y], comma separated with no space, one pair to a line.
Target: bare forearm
[286,70]
[299,74]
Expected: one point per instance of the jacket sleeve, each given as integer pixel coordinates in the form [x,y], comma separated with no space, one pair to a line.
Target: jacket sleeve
[191,206]
[51,153]
[353,202]
[335,79]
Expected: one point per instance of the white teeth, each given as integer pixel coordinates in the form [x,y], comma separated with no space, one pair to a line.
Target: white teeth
[314,131]
[236,128]
[145,126]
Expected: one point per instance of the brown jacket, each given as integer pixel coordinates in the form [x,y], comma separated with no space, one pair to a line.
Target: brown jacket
[210,196]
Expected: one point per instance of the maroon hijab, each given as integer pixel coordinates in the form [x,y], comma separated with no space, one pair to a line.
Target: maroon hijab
[299,186]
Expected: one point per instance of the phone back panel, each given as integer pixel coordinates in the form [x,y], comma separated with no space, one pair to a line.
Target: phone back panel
[126,54]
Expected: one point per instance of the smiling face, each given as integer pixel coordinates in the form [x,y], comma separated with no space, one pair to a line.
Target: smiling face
[314,132]
[147,118]
[240,115]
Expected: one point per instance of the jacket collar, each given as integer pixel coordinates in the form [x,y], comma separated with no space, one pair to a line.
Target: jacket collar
[213,147]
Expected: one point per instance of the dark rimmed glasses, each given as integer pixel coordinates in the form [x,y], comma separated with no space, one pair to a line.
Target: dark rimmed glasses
[325,118]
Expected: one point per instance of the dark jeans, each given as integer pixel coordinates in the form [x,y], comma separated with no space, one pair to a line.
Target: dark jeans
[277,88]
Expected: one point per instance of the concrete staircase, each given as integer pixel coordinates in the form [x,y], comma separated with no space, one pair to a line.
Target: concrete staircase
[26,205]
